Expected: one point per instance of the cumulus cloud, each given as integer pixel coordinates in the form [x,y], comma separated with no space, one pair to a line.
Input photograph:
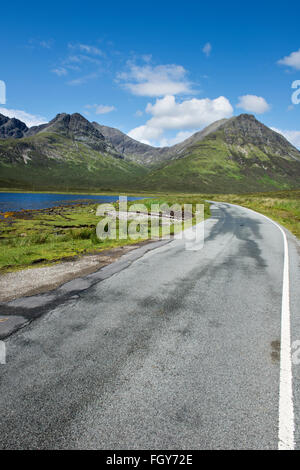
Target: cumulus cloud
[29,119]
[160,80]
[292,136]
[168,114]
[100,108]
[253,104]
[146,134]
[193,113]
[292,60]
[207,49]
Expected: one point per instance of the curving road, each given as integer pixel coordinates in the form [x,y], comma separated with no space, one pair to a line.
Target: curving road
[164,349]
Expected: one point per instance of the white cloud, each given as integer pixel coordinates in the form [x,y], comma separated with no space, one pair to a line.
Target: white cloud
[36,43]
[90,49]
[160,80]
[46,44]
[193,113]
[83,63]
[253,104]
[60,71]
[88,67]
[81,59]
[147,57]
[81,80]
[86,48]
[145,134]
[167,114]
[179,137]
[29,119]
[207,49]
[292,60]
[292,136]
[100,108]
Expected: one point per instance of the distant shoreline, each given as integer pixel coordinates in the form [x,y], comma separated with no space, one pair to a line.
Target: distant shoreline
[88,193]
[24,202]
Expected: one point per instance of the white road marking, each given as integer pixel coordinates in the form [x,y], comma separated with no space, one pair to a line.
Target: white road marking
[286,429]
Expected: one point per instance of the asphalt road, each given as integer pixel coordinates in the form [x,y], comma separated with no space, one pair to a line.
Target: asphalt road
[169,349]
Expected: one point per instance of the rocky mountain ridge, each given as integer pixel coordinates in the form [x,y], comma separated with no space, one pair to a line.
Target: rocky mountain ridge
[239,154]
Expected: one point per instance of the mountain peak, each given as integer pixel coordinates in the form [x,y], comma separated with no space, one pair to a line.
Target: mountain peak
[245,116]
[12,128]
[245,129]
[73,125]
[68,122]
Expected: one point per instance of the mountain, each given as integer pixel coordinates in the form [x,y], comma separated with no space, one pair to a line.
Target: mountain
[130,148]
[77,128]
[67,153]
[12,128]
[179,149]
[231,155]
[237,155]
[146,154]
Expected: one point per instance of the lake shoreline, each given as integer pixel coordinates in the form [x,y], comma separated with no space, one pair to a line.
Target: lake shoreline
[19,202]
[117,192]
[39,237]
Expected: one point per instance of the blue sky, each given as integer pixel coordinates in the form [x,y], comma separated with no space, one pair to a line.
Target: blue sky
[157,70]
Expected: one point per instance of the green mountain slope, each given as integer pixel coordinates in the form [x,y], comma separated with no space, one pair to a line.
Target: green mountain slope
[145,154]
[70,153]
[131,149]
[242,155]
[52,161]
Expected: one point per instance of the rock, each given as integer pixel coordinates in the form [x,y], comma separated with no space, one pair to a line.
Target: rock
[12,128]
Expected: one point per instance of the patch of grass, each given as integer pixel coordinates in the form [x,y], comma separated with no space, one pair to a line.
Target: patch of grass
[35,238]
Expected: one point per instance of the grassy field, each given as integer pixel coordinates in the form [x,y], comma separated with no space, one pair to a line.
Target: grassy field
[36,238]
[281,206]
